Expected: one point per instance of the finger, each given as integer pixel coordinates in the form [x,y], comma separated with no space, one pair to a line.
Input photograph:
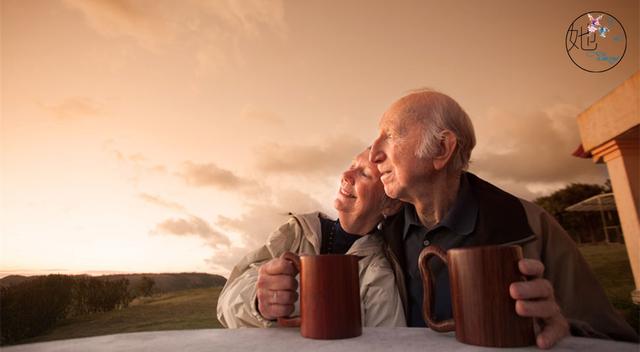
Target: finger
[554,330]
[284,297]
[266,296]
[277,282]
[277,310]
[279,266]
[531,267]
[534,289]
[537,309]
[268,308]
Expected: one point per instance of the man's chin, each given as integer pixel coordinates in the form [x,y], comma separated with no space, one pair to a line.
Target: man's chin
[390,191]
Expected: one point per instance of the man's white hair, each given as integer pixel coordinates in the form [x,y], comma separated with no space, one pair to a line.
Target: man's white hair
[437,112]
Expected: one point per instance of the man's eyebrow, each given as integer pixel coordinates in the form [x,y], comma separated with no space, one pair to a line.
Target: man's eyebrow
[399,129]
[390,129]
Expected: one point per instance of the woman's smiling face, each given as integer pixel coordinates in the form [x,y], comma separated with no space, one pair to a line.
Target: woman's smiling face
[361,195]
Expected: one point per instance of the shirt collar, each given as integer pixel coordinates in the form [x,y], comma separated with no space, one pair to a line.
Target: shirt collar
[341,232]
[460,219]
[410,219]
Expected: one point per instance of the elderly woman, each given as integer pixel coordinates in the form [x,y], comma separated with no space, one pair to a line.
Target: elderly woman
[262,287]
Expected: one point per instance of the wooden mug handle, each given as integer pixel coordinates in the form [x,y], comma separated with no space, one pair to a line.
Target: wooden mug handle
[290,321]
[427,284]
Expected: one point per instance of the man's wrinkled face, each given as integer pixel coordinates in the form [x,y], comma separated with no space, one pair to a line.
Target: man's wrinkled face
[394,152]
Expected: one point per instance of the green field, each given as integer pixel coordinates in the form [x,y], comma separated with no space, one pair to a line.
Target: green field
[188,309]
[196,308]
[610,264]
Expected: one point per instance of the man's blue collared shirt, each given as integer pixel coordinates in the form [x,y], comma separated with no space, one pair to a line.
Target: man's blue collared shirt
[451,232]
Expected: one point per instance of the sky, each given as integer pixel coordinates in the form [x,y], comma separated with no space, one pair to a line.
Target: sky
[172,136]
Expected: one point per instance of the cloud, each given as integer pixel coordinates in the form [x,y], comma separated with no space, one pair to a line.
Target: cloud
[161,169]
[133,166]
[193,174]
[161,202]
[139,162]
[137,158]
[249,17]
[222,261]
[309,160]
[264,117]
[213,30]
[73,108]
[193,226]
[210,175]
[140,20]
[263,217]
[256,223]
[531,152]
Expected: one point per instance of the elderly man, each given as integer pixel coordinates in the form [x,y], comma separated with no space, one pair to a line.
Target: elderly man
[422,153]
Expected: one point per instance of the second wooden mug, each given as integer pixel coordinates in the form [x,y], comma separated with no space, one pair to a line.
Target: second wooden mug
[329,296]
[483,311]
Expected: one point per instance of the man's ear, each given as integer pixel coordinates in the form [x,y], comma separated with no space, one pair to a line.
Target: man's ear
[391,207]
[447,146]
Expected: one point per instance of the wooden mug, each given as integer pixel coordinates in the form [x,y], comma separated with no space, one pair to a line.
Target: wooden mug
[484,313]
[329,296]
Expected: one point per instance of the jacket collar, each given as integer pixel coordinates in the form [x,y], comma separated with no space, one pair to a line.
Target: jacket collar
[366,245]
[501,216]
[311,229]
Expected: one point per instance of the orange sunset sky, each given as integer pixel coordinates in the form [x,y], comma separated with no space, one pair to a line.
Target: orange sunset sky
[168,136]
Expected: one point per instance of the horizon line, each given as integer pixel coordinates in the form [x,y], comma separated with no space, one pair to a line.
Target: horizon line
[44,272]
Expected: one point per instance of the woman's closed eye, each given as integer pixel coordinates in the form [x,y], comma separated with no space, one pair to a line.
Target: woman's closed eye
[365,173]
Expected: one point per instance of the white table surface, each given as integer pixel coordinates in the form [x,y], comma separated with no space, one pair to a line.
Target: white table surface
[289,340]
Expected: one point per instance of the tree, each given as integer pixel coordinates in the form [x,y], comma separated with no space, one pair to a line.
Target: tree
[145,288]
[32,307]
[582,227]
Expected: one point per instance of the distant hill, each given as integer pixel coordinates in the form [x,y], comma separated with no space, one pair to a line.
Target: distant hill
[13,280]
[167,282]
[173,282]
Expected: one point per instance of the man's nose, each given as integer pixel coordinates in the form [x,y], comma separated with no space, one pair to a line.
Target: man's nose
[376,155]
